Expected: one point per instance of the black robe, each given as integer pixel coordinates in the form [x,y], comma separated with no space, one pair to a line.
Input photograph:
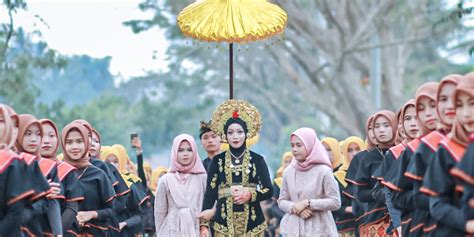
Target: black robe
[254,175]
[402,188]
[392,155]
[344,221]
[206,162]
[109,172]
[49,169]
[148,214]
[38,203]
[382,193]
[98,196]
[358,208]
[14,193]
[464,171]
[120,188]
[416,171]
[70,196]
[376,211]
[133,214]
[444,195]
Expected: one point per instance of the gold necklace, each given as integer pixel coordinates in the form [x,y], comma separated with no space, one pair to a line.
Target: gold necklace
[237,159]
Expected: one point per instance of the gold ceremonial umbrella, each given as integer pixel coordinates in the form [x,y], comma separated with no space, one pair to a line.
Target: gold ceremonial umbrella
[232,21]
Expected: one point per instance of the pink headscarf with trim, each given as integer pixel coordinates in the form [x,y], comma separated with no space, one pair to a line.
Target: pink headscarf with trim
[317,153]
[449,79]
[195,167]
[458,133]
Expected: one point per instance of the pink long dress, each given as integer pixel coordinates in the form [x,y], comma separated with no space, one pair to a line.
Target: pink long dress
[178,204]
[319,186]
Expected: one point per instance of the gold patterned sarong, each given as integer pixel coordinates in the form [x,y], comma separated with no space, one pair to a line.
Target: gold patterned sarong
[239,227]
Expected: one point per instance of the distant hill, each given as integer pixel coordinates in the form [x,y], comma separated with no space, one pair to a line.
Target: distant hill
[83,78]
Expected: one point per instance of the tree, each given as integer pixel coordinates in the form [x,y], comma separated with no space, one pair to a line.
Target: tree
[326,52]
[18,59]
[167,105]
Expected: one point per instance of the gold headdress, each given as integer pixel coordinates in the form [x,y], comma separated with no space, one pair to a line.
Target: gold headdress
[236,109]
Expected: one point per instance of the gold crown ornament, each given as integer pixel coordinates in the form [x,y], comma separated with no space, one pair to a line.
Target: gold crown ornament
[236,109]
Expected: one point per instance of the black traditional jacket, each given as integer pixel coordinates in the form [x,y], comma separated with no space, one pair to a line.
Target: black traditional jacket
[445,191]
[252,173]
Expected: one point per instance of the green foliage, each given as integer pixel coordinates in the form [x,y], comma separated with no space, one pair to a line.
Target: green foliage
[111,115]
[17,70]
[167,106]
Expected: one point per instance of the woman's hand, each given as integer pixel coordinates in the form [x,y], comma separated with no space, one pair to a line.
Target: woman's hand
[137,143]
[399,231]
[299,207]
[306,213]
[85,216]
[54,190]
[242,197]
[348,209]
[470,226]
[207,215]
[122,225]
[203,231]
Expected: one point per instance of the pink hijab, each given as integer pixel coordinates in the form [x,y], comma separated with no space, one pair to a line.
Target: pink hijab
[429,90]
[458,133]
[7,137]
[449,79]
[317,153]
[195,167]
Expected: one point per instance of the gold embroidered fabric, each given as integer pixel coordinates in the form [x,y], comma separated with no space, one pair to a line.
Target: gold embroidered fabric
[240,220]
[227,192]
[236,222]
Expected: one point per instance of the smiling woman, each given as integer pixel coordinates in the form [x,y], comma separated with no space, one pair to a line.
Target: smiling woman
[97,206]
[29,141]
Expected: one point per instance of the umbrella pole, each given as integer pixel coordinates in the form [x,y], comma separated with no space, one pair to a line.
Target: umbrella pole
[231,71]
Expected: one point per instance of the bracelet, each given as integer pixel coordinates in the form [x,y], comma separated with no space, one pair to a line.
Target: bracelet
[309,203]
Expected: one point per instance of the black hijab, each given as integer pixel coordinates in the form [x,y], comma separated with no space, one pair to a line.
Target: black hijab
[237,151]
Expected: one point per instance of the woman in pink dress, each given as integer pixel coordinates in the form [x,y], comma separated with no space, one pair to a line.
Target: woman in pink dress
[309,192]
[180,192]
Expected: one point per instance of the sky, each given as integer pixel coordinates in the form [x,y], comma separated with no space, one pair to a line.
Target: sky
[94,28]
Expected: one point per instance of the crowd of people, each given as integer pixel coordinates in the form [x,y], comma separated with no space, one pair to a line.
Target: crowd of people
[413,175]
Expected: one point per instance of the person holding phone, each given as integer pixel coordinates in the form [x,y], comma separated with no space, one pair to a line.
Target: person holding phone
[149,219]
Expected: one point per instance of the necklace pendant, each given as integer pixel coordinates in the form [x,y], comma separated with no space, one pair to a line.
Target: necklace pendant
[237,161]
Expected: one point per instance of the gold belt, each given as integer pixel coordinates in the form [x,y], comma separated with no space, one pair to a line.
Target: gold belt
[227,192]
